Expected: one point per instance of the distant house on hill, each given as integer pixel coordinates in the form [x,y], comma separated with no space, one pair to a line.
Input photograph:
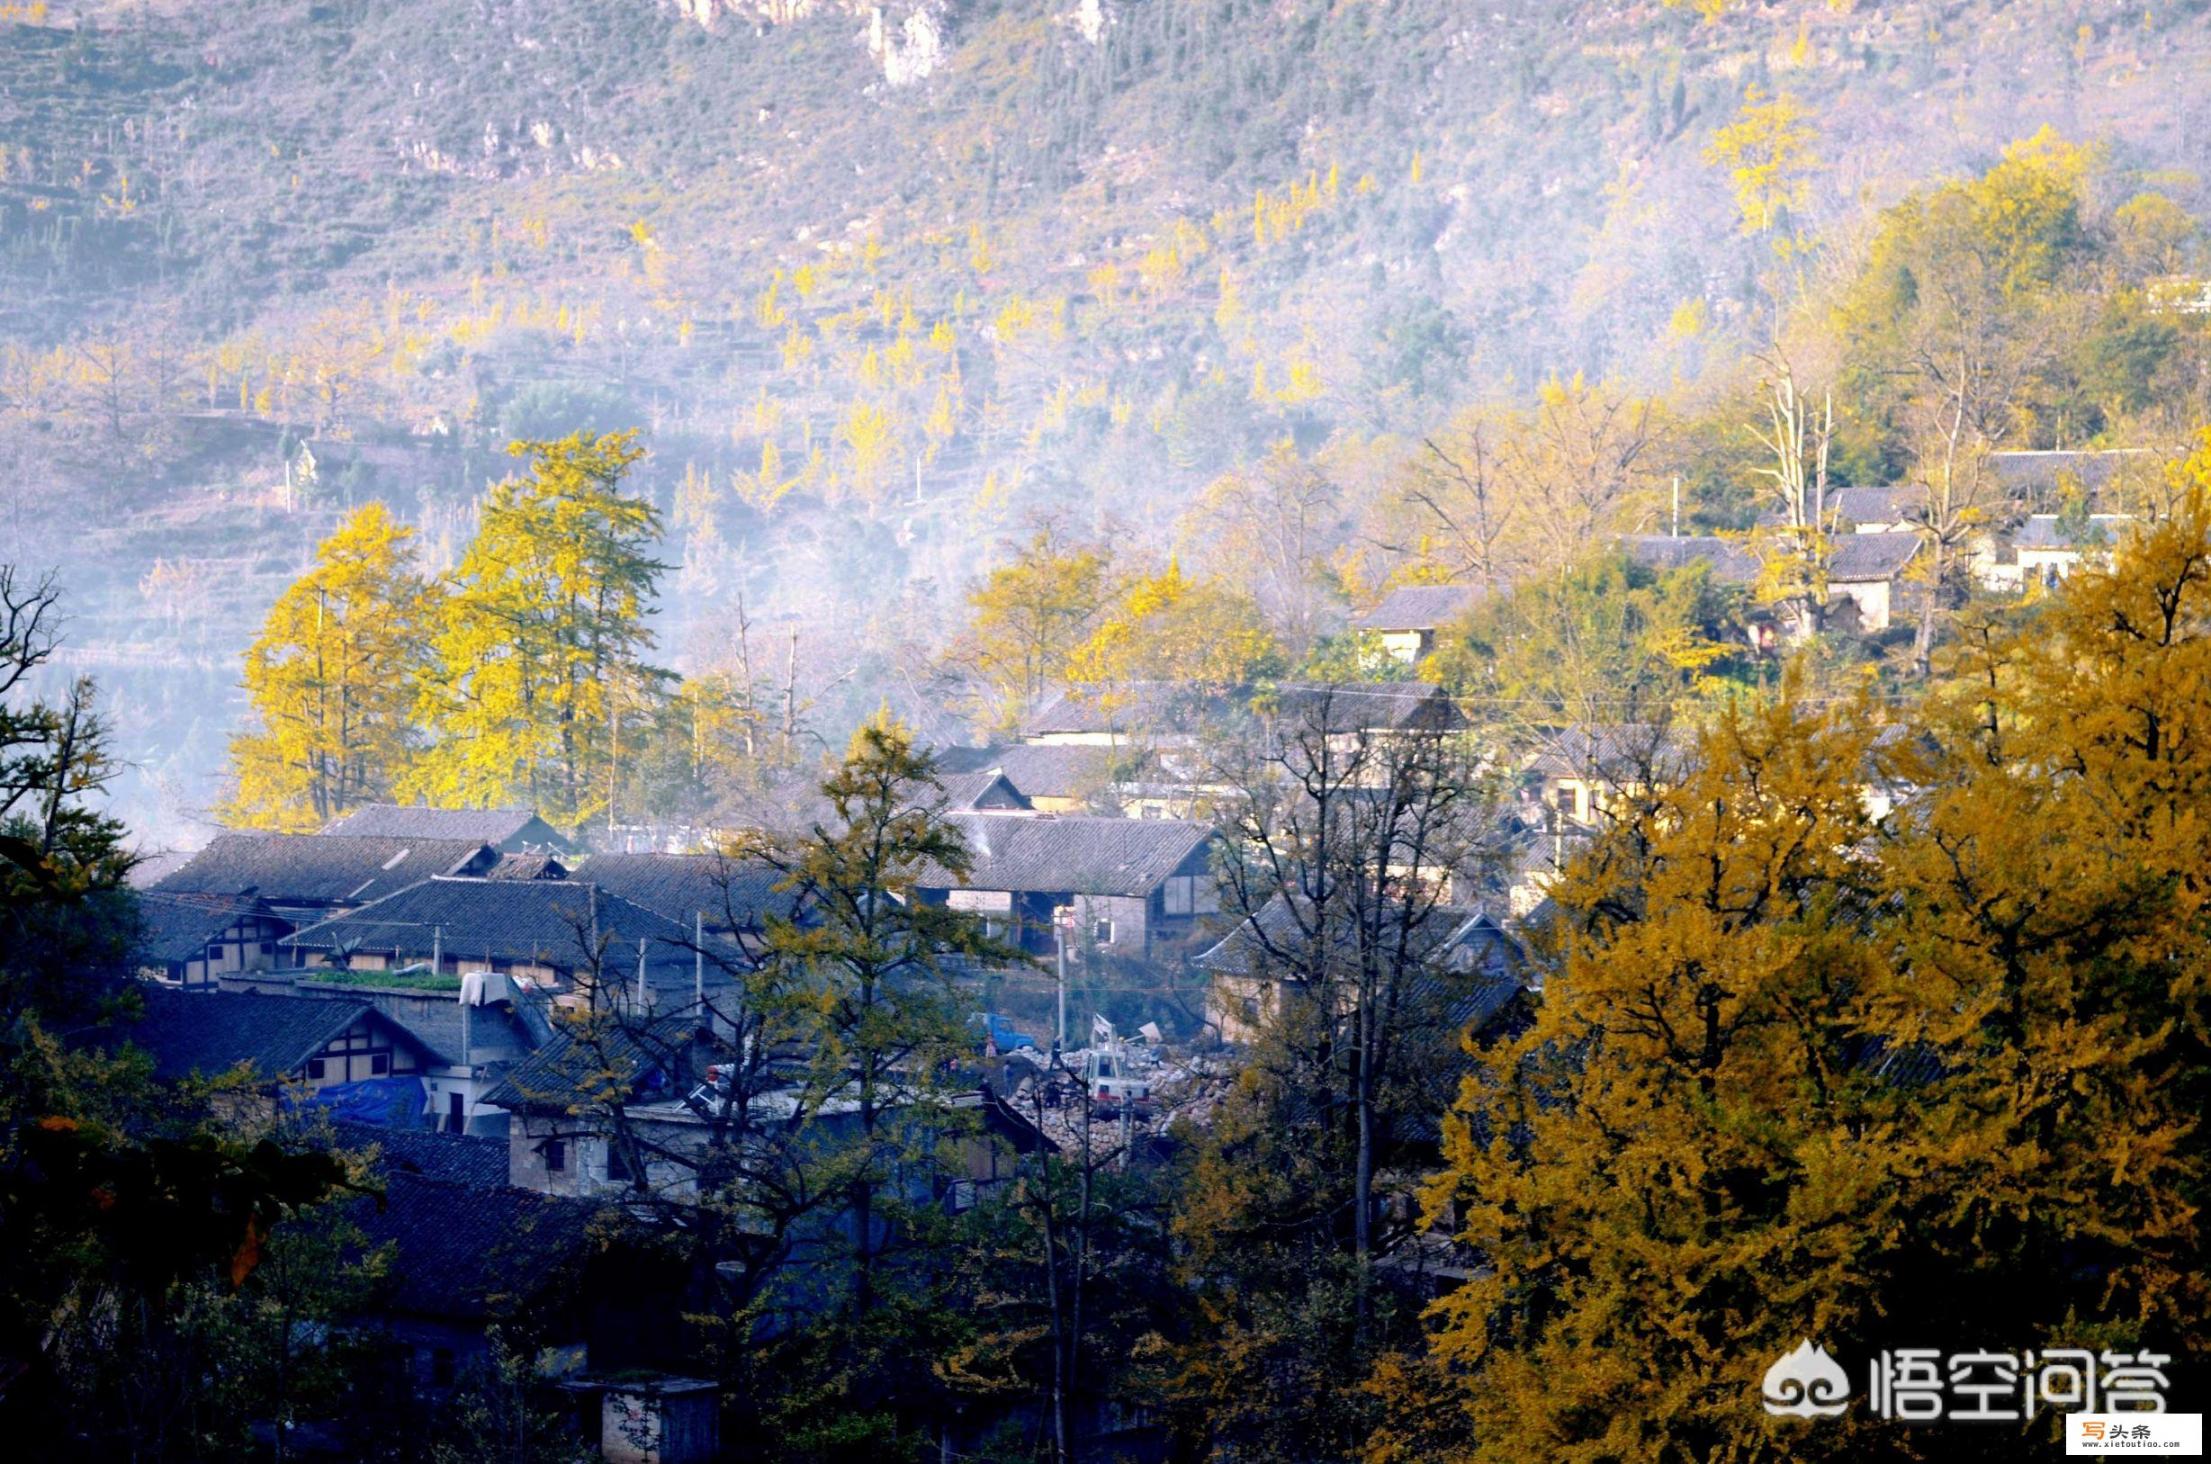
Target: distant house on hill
[508,830]
[2048,548]
[1122,886]
[1865,569]
[306,877]
[2039,480]
[1893,509]
[1408,617]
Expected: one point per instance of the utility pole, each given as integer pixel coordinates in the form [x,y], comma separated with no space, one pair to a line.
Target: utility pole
[641,975]
[1059,949]
[698,962]
[1677,505]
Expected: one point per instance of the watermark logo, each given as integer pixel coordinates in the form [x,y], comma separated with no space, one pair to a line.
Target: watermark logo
[1807,1384]
[1925,1384]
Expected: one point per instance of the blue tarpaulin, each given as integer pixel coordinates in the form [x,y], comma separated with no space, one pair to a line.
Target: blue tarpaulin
[1002,1033]
[386,1102]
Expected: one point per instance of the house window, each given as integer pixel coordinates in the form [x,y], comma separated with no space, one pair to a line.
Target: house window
[268,948]
[617,1167]
[456,1113]
[379,1064]
[1190,894]
[314,1070]
[556,1156]
[1101,931]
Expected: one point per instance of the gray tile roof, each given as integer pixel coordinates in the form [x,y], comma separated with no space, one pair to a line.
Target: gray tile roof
[984,788]
[1890,504]
[2026,472]
[453,1158]
[1133,707]
[316,869]
[1862,558]
[678,886]
[212,1033]
[174,928]
[509,829]
[1731,563]
[564,1074]
[1041,770]
[553,922]
[2045,531]
[1421,607]
[465,1252]
[1364,706]
[1070,854]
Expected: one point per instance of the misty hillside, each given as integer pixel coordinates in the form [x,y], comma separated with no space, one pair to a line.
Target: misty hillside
[884,284]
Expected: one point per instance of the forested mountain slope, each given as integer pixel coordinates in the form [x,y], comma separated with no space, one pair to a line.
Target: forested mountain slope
[882,285]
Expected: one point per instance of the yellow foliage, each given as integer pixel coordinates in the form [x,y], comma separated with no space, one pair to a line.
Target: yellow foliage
[1767,151]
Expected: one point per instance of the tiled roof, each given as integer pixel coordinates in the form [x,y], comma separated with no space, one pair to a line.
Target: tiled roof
[1139,706]
[212,1033]
[466,1252]
[1860,558]
[1731,562]
[454,1158]
[1422,607]
[495,826]
[1892,504]
[317,869]
[679,886]
[565,1073]
[554,922]
[2046,531]
[175,928]
[1448,936]
[2032,472]
[1365,706]
[1041,770]
[1071,854]
[1613,750]
[984,788]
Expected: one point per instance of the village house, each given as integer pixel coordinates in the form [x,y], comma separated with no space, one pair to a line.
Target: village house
[508,830]
[1408,618]
[471,1029]
[1892,509]
[1583,774]
[710,893]
[1051,777]
[305,878]
[562,1138]
[277,1043]
[1867,572]
[2047,547]
[471,1255]
[192,940]
[549,935]
[1864,577]
[1114,886]
[1472,969]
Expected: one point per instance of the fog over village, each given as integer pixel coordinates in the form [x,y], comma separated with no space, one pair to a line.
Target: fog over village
[1127,730]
